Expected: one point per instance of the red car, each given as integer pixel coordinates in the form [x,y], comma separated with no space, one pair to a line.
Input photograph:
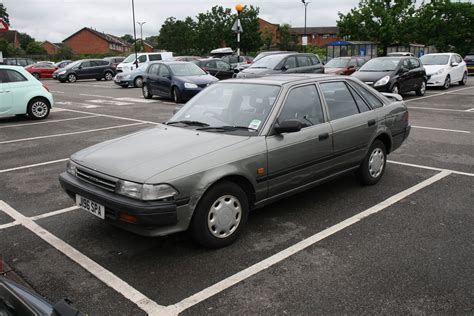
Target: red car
[41,70]
[344,65]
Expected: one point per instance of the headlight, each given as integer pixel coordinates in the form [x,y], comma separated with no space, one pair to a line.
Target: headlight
[188,85]
[145,192]
[71,168]
[439,72]
[382,82]
[62,72]
[126,77]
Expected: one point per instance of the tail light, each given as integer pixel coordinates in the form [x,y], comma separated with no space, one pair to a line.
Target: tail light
[45,87]
[405,116]
[248,61]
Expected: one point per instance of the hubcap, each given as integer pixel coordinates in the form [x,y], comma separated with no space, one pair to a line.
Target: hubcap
[108,76]
[464,78]
[39,109]
[376,162]
[72,78]
[145,91]
[175,95]
[139,82]
[395,89]
[224,216]
[447,82]
[423,87]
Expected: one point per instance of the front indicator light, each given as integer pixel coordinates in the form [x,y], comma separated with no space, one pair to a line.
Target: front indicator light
[124,217]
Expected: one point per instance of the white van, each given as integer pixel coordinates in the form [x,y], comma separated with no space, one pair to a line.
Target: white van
[129,63]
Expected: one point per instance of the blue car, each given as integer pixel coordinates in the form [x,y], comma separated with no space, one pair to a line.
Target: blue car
[178,80]
[132,78]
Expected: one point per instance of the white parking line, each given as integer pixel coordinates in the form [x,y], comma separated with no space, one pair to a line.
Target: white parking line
[434,109]
[96,96]
[50,121]
[442,129]
[111,116]
[34,165]
[290,251]
[110,279]
[430,168]
[3,226]
[438,94]
[54,213]
[67,134]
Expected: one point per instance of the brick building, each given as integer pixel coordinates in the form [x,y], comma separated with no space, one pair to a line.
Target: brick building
[11,37]
[147,47]
[90,41]
[267,27]
[50,48]
[317,36]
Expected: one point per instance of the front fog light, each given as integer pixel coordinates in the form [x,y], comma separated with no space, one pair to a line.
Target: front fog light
[71,168]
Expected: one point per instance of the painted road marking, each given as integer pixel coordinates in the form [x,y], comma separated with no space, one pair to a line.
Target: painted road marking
[111,116]
[67,134]
[430,168]
[438,94]
[34,165]
[107,277]
[290,251]
[442,129]
[51,121]
[54,213]
[434,109]
[108,102]
[136,100]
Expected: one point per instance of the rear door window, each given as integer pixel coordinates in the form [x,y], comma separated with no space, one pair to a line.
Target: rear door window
[303,61]
[314,60]
[164,71]
[373,101]
[211,64]
[14,76]
[221,65]
[153,69]
[290,63]
[154,57]
[339,100]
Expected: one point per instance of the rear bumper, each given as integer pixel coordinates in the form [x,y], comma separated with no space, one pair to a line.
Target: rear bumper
[147,213]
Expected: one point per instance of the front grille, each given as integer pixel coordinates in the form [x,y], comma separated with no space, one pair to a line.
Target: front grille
[95,179]
[203,85]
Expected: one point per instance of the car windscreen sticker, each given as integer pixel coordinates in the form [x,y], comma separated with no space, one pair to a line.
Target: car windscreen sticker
[255,124]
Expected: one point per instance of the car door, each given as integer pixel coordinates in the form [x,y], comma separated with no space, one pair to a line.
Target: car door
[47,71]
[224,70]
[211,67]
[152,78]
[18,87]
[84,70]
[304,64]
[318,66]
[458,68]
[417,73]
[6,100]
[405,77]
[164,80]
[296,159]
[353,123]
[290,66]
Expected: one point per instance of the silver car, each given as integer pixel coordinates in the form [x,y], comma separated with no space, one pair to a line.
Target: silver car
[238,145]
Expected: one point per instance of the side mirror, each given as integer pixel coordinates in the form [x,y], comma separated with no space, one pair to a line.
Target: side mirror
[454,64]
[236,71]
[284,68]
[403,70]
[288,126]
[351,67]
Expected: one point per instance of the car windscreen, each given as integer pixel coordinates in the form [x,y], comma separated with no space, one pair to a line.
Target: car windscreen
[434,59]
[269,61]
[73,64]
[337,63]
[242,105]
[129,59]
[186,69]
[380,64]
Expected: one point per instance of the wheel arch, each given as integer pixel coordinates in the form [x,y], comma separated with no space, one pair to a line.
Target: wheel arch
[386,140]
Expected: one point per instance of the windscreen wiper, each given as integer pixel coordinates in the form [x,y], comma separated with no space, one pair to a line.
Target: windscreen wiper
[227,128]
[187,122]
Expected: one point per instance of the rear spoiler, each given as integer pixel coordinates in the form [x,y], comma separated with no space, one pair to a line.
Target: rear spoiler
[395,96]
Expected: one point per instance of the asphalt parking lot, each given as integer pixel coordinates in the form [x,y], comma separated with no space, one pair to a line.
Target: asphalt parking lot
[405,245]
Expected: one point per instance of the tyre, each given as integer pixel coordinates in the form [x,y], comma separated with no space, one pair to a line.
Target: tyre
[220,215]
[138,82]
[447,82]
[71,78]
[176,95]
[372,168]
[98,79]
[38,109]
[395,89]
[146,92]
[108,76]
[421,91]
[36,75]
[62,81]
[463,80]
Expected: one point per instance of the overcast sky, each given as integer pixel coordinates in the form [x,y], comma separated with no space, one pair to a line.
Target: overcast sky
[54,20]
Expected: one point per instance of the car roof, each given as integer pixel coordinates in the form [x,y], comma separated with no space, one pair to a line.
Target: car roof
[171,62]
[284,79]
[440,54]
[13,67]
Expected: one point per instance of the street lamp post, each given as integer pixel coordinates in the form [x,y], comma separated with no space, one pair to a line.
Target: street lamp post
[304,39]
[238,8]
[141,32]
[134,35]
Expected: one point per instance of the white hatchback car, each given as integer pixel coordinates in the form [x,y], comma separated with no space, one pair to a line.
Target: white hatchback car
[443,69]
[21,93]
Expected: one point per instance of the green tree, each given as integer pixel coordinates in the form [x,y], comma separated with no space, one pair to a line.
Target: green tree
[25,39]
[213,28]
[4,15]
[128,38]
[381,21]
[65,52]
[35,48]
[251,38]
[178,36]
[153,40]
[446,25]
[8,50]
[267,38]
[285,38]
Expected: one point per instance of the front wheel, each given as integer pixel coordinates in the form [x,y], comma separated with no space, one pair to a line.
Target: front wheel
[447,82]
[421,91]
[108,76]
[220,215]
[72,78]
[38,109]
[146,92]
[138,82]
[372,168]
[176,95]
[463,80]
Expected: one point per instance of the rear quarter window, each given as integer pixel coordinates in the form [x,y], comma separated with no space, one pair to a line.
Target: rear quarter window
[371,99]
[154,57]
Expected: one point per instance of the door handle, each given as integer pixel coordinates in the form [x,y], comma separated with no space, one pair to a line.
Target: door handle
[323,136]
[371,123]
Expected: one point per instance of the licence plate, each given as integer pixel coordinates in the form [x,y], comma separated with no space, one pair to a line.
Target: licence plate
[90,206]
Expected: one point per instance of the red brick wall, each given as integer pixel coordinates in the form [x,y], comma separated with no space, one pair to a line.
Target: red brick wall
[86,42]
[318,39]
[262,25]
[148,49]
[50,48]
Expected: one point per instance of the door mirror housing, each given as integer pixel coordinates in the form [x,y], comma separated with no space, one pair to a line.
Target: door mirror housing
[454,64]
[288,126]
[403,70]
[284,68]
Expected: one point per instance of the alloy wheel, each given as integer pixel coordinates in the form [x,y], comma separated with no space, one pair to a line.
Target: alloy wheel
[39,109]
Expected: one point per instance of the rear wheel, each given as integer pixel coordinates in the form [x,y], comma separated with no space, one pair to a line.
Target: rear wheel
[38,109]
[36,75]
[463,80]
[108,76]
[176,95]
[373,166]
[138,82]
[146,92]
[72,78]
[220,215]
[447,82]
[421,91]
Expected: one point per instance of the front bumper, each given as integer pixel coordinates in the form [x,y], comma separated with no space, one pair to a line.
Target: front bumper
[123,82]
[59,77]
[436,80]
[147,213]
[189,93]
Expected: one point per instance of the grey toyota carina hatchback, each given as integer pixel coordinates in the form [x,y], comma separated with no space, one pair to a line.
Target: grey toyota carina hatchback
[238,145]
